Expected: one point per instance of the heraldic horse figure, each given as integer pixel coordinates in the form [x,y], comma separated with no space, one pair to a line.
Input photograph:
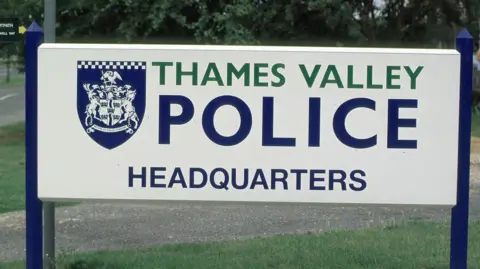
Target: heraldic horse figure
[129,110]
[91,108]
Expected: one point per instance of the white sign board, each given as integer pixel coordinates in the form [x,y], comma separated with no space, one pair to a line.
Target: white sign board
[248,124]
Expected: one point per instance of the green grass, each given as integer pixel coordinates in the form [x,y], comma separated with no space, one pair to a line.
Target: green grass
[12,168]
[14,81]
[476,125]
[418,245]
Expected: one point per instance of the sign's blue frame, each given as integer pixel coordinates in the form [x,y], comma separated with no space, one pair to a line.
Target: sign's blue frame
[459,217]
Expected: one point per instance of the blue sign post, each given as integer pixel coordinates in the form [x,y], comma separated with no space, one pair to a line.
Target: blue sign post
[459,222]
[33,205]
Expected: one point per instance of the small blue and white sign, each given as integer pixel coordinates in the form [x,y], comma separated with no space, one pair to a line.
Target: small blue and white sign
[111,99]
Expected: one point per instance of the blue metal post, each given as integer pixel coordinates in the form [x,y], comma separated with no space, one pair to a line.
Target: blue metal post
[459,222]
[33,206]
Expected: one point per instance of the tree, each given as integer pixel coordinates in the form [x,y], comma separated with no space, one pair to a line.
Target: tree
[315,22]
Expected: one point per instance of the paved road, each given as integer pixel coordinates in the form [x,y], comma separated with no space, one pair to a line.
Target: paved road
[12,105]
[99,226]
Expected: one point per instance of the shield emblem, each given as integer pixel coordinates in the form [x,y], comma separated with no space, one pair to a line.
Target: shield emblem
[117,111]
[101,113]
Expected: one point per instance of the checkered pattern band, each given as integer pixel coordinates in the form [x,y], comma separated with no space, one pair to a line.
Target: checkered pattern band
[111,65]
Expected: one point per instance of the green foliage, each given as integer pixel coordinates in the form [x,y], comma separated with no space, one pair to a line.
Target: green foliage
[415,23]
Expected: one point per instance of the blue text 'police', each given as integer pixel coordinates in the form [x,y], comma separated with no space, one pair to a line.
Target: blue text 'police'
[338,123]
[245,178]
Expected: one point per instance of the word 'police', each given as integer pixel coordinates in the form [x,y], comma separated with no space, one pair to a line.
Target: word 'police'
[240,179]
[394,122]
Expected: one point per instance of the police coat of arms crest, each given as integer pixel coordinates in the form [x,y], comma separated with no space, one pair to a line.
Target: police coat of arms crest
[111,99]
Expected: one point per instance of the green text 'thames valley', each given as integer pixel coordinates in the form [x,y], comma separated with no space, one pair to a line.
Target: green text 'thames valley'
[275,75]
